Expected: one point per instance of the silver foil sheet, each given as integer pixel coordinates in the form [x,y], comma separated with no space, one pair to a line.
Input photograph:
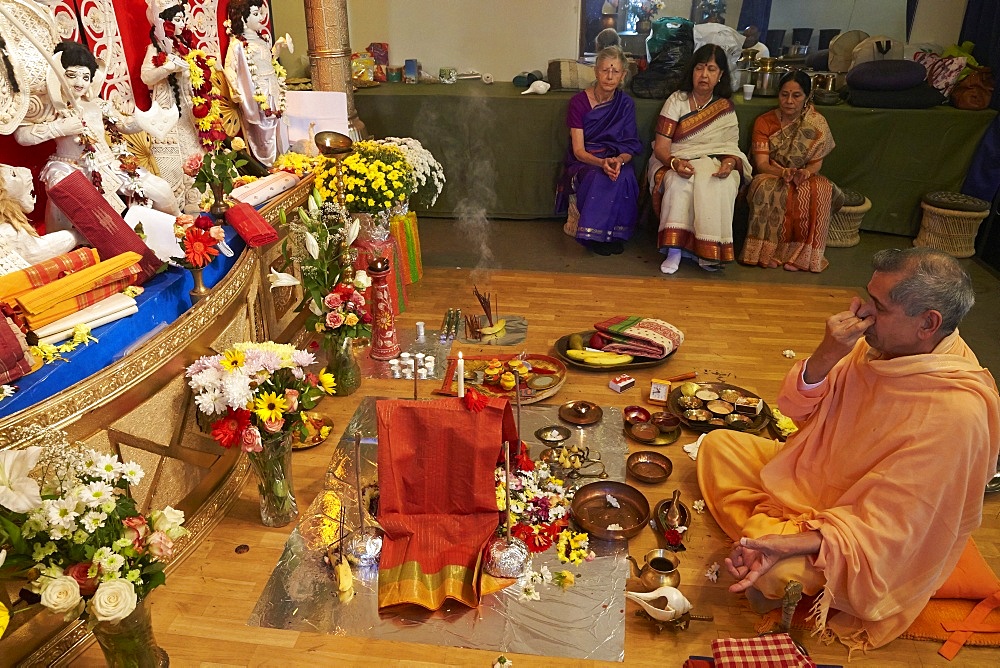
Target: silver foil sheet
[586,620]
[429,344]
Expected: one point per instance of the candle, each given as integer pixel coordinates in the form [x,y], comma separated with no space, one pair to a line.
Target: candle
[461,375]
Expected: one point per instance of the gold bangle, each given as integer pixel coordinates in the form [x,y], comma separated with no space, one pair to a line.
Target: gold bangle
[672,164]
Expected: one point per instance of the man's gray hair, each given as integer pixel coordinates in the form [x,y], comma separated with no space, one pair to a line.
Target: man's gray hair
[934,281]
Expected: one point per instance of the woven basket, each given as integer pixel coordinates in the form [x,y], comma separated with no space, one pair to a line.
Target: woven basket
[844,225]
[953,232]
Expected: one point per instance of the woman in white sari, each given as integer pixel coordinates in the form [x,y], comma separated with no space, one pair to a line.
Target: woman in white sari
[696,167]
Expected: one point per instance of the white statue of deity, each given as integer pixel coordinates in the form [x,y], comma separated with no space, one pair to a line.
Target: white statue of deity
[76,118]
[17,199]
[256,79]
[179,76]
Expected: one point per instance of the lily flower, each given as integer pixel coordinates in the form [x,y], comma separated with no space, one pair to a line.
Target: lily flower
[313,205]
[353,230]
[18,491]
[280,279]
[312,246]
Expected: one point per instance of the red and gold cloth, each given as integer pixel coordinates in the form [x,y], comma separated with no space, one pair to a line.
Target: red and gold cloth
[635,335]
[19,282]
[437,501]
[15,360]
[250,225]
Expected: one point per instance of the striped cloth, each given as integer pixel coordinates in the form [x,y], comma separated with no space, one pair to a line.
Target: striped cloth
[775,651]
[15,284]
[15,360]
[635,335]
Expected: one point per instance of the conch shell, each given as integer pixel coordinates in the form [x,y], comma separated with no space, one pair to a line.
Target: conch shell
[675,604]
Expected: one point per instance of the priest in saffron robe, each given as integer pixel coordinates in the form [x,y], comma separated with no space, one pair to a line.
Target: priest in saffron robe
[872,501]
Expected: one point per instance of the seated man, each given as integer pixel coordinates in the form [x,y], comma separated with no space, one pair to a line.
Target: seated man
[752,41]
[871,502]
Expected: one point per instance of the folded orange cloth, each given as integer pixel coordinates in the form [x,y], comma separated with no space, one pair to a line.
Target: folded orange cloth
[85,280]
[37,275]
[79,302]
[437,498]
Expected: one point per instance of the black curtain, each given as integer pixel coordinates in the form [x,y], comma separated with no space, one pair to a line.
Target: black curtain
[911,11]
[755,13]
[982,27]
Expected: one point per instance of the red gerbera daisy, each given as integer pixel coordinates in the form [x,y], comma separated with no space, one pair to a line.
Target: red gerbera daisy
[228,431]
[199,247]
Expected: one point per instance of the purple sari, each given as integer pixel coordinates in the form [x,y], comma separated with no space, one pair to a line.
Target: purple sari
[608,209]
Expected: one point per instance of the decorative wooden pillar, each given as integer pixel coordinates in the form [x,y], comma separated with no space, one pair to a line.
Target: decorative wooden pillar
[330,53]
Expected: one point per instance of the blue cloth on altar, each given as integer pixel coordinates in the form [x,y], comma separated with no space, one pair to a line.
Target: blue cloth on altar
[165,298]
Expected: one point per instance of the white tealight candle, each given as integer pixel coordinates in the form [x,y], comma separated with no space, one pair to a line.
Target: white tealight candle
[460,370]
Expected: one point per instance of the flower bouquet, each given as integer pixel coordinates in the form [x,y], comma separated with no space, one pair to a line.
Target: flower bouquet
[645,10]
[199,238]
[217,170]
[428,174]
[76,535]
[319,240]
[376,177]
[259,394]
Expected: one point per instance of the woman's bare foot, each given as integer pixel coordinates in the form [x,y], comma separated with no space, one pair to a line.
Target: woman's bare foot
[790,267]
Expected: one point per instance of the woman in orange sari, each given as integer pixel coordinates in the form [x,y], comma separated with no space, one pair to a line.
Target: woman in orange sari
[790,202]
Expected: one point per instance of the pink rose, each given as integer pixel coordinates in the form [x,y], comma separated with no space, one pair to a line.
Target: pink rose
[332,301]
[160,545]
[274,426]
[78,572]
[250,441]
[217,233]
[358,299]
[192,165]
[292,399]
[136,529]
[334,319]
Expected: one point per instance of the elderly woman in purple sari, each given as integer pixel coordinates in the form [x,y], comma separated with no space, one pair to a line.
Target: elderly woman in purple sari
[598,167]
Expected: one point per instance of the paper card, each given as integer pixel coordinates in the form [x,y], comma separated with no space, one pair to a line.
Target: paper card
[159,230]
[308,112]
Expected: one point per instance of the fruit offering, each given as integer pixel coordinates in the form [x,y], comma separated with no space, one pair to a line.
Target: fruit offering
[599,358]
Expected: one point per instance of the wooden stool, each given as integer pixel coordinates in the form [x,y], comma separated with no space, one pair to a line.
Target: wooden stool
[844,224]
[950,222]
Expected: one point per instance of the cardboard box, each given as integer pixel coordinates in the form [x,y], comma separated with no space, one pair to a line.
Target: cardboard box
[621,382]
[659,390]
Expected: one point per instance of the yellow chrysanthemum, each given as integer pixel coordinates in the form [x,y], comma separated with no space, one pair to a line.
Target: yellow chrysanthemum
[270,407]
[232,360]
[327,381]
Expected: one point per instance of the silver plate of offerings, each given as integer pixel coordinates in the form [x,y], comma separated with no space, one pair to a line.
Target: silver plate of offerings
[583,621]
[715,394]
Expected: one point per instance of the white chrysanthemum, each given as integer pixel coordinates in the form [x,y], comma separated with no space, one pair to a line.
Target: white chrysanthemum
[59,532]
[94,494]
[62,513]
[111,564]
[132,473]
[101,554]
[106,467]
[207,379]
[108,506]
[211,401]
[93,520]
[303,358]
[236,388]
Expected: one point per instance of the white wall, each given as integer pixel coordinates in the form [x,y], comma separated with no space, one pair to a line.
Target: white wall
[505,37]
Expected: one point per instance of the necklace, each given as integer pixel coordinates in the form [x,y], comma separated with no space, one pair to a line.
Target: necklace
[699,107]
[599,100]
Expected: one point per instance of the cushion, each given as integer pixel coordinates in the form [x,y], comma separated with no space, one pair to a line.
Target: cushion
[853,198]
[842,49]
[942,73]
[972,578]
[944,199]
[886,75]
[918,97]
[818,60]
[877,47]
[101,225]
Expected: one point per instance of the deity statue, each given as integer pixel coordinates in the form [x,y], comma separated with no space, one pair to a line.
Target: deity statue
[184,118]
[76,119]
[17,199]
[256,79]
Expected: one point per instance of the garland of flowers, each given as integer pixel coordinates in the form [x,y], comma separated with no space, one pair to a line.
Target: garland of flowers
[279,71]
[298,164]
[128,163]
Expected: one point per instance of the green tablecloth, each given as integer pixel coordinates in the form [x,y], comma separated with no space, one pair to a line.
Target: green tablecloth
[503,151]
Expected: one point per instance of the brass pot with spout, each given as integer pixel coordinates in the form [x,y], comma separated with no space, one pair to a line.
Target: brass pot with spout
[659,569]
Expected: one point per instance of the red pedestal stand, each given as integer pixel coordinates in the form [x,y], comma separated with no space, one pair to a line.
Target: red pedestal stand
[385,343]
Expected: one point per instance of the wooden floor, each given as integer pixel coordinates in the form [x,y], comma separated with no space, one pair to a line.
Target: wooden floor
[735,332]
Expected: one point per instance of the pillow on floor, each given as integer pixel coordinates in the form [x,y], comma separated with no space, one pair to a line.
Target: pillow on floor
[972,578]
[886,75]
[918,97]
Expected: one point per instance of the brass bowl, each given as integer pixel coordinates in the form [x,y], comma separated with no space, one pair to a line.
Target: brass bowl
[697,415]
[649,466]
[644,431]
[555,433]
[737,421]
[635,414]
[689,402]
[594,514]
[332,144]
[580,412]
[719,407]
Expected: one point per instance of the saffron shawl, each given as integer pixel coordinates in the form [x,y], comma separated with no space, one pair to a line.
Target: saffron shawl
[889,465]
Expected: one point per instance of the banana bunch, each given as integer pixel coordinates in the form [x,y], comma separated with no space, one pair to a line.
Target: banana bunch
[598,358]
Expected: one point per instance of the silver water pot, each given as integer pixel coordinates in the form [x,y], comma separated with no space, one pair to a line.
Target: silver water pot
[769,73]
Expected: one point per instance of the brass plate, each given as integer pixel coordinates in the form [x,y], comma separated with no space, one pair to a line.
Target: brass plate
[562,343]
[581,412]
[759,421]
[661,440]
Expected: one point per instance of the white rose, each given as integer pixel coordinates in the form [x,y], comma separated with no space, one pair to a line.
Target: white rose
[114,600]
[169,521]
[61,595]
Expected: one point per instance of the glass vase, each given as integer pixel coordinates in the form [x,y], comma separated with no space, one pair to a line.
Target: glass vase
[273,468]
[343,365]
[129,643]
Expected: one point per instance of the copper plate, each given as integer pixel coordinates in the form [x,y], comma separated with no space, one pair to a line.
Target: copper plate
[644,431]
[665,438]
[581,412]
[649,466]
[594,514]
